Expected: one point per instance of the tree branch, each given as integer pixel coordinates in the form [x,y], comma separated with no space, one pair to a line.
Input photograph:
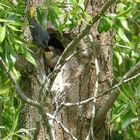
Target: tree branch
[63,104]
[90,134]
[25,98]
[118,85]
[101,114]
[61,125]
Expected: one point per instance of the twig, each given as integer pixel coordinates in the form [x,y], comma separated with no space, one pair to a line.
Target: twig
[119,84]
[24,97]
[109,103]
[63,104]
[90,134]
[120,46]
[61,125]
[67,60]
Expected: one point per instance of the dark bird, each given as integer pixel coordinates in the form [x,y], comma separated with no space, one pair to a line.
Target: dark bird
[39,35]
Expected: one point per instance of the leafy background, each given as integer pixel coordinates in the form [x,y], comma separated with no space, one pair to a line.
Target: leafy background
[125,118]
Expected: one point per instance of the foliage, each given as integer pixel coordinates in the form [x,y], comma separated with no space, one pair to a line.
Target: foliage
[11,42]
[67,16]
[126,112]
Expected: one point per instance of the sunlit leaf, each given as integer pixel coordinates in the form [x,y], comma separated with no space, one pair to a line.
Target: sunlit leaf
[1,7]
[2,127]
[122,35]
[2,33]
[133,107]
[119,57]
[16,118]
[14,28]
[81,4]
[12,22]
[125,24]
[137,89]
[30,58]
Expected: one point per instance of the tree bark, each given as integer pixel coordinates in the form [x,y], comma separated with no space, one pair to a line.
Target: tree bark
[77,81]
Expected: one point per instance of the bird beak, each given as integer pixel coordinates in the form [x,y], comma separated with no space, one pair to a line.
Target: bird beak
[48,49]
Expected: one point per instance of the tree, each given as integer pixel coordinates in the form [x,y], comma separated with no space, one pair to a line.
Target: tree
[72,101]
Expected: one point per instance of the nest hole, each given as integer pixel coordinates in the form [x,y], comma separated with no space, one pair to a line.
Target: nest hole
[54,41]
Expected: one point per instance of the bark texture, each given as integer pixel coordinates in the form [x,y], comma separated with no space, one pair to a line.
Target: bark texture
[74,83]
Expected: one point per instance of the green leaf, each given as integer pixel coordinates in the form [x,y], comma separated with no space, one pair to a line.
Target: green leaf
[133,107]
[125,24]
[81,5]
[103,25]
[127,119]
[137,93]
[12,22]
[29,57]
[14,28]
[1,7]
[2,127]
[118,111]
[16,118]
[2,33]
[122,35]
[42,18]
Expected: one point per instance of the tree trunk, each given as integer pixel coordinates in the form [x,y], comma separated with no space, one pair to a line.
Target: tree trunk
[77,81]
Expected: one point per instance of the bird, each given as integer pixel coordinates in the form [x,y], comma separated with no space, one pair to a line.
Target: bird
[39,35]
[52,55]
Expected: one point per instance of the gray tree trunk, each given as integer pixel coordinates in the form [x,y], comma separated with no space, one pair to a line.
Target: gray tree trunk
[77,81]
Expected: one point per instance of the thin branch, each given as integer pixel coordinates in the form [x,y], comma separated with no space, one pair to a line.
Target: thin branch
[121,46]
[131,78]
[63,104]
[90,134]
[79,103]
[67,60]
[61,125]
[19,92]
[119,84]
[24,97]
[100,116]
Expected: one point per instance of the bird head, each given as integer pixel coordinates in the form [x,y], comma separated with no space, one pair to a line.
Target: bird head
[49,52]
